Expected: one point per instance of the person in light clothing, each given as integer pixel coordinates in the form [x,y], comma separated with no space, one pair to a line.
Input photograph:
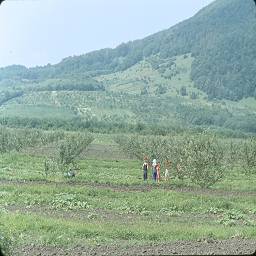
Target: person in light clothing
[154,173]
[166,173]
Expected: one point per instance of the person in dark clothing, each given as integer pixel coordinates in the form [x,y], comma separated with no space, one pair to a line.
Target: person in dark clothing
[145,170]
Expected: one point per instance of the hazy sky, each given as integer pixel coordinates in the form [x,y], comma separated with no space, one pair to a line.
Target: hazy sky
[37,32]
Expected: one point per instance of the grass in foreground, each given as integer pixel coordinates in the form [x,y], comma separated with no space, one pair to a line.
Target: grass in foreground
[113,204]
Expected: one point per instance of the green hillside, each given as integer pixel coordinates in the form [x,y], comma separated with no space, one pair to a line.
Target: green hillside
[199,73]
[220,37]
[144,94]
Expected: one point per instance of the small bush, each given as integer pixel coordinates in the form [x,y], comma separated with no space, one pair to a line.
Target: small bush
[68,201]
[249,156]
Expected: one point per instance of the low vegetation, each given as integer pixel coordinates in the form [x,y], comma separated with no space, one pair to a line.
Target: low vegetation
[107,200]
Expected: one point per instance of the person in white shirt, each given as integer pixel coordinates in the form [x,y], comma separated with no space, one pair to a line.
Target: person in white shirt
[154,173]
[167,174]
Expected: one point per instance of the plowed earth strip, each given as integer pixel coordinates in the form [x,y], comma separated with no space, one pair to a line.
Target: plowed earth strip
[235,246]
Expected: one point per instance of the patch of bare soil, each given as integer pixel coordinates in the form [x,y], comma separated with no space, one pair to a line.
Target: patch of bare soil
[109,152]
[235,246]
[94,151]
[46,150]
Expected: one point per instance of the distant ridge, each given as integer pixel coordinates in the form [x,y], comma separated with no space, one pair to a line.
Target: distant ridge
[221,38]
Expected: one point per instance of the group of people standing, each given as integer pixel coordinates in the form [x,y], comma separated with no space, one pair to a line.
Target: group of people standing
[156,170]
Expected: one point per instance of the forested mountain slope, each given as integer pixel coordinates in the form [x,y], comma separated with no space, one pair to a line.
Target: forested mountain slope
[221,38]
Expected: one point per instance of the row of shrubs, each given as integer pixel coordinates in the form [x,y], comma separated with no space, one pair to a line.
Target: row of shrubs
[17,139]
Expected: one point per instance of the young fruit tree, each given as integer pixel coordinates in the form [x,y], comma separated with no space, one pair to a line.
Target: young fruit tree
[204,157]
[67,153]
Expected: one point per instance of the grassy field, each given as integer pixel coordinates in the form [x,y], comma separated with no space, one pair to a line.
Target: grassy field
[108,203]
[38,111]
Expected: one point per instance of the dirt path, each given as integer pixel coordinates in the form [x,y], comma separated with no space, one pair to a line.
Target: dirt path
[131,188]
[234,246]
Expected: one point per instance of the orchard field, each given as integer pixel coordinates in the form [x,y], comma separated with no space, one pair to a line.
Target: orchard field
[107,208]
[74,135]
